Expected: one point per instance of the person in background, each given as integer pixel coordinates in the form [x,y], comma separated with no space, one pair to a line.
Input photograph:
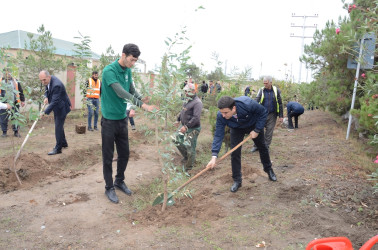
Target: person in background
[189,123]
[59,102]
[204,88]
[11,92]
[247,91]
[218,87]
[130,113]
[93,87]
[244,116]
[270,97]
[294,109]
[212,87]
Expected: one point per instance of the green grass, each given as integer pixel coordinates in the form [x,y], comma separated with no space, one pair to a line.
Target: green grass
[147,194]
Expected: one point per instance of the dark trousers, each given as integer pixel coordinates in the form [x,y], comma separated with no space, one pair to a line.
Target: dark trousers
[290,120]
[237,136]
[114,131]
[60,136]
[4,117]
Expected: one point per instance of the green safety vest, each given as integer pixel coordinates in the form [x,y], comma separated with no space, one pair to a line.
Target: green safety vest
[275,94]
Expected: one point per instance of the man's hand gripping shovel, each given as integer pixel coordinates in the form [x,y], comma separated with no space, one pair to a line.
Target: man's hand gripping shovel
[170,201]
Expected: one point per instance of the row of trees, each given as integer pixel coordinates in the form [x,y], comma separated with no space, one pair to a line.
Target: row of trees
[328,54]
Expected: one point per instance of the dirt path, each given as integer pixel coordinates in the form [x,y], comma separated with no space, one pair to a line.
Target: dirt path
[321,192]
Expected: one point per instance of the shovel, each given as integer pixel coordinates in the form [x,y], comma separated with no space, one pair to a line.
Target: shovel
[23,144]
[160,198]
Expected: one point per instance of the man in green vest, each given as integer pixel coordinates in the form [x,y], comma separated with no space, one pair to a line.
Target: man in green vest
[117,88]
[270,97]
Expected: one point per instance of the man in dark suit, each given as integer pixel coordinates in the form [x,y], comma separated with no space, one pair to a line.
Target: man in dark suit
[59,102]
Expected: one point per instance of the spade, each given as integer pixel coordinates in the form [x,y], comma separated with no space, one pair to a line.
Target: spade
[170,201]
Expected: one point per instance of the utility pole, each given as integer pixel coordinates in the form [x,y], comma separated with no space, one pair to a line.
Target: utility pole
[304,27]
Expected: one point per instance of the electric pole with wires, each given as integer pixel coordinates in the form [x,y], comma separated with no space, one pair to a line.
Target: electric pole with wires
[303,36]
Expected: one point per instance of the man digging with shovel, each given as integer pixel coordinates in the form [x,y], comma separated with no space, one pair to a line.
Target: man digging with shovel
[244,116]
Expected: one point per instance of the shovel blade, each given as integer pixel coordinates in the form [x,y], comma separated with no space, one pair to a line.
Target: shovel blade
[160,199]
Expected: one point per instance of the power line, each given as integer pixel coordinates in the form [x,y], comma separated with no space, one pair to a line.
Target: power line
[304,27]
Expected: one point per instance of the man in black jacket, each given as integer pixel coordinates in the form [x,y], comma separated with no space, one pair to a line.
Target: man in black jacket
[59,102]
[12,93]
[204,88]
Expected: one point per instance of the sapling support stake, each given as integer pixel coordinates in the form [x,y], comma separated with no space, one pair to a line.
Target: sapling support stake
[160,197]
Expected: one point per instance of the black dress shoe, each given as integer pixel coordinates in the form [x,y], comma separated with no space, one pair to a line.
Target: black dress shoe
[16,134]
[122,186]
[235,186]
[271,175]
[55,151]
[110,193]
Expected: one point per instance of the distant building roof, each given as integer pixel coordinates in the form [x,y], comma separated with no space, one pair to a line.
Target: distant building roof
[16,40]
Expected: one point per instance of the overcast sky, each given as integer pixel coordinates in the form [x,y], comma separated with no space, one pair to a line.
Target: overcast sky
[245,33]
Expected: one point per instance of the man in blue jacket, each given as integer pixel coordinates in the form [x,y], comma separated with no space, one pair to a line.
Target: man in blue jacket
[294,109]
[59,102]
[244,116]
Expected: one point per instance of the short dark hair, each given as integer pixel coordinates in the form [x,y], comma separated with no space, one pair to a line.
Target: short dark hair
[94,72]
[226,102]
[131,49]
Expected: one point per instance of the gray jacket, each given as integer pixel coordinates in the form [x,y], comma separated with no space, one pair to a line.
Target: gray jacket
[190,115]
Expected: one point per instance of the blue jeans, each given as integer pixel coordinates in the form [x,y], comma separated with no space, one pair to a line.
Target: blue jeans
[93,107]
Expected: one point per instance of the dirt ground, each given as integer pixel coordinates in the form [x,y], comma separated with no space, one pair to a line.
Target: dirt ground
[322,191]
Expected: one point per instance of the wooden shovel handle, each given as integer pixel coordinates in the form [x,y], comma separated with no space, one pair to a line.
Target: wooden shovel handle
[27,136]
[233,149]
[204,170]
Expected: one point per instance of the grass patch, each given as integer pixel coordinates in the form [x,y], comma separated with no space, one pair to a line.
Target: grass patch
[147,194]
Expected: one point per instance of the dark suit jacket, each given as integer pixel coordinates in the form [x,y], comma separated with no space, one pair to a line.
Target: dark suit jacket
[59,102]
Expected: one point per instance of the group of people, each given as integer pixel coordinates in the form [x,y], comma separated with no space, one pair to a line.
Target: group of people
[114,92]
[270,97]
[118,97]
[12,97]
[205,88]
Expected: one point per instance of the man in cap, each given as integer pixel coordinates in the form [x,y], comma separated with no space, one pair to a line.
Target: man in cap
[189,124]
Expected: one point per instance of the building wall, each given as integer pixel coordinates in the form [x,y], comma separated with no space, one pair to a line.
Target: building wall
[74,92]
